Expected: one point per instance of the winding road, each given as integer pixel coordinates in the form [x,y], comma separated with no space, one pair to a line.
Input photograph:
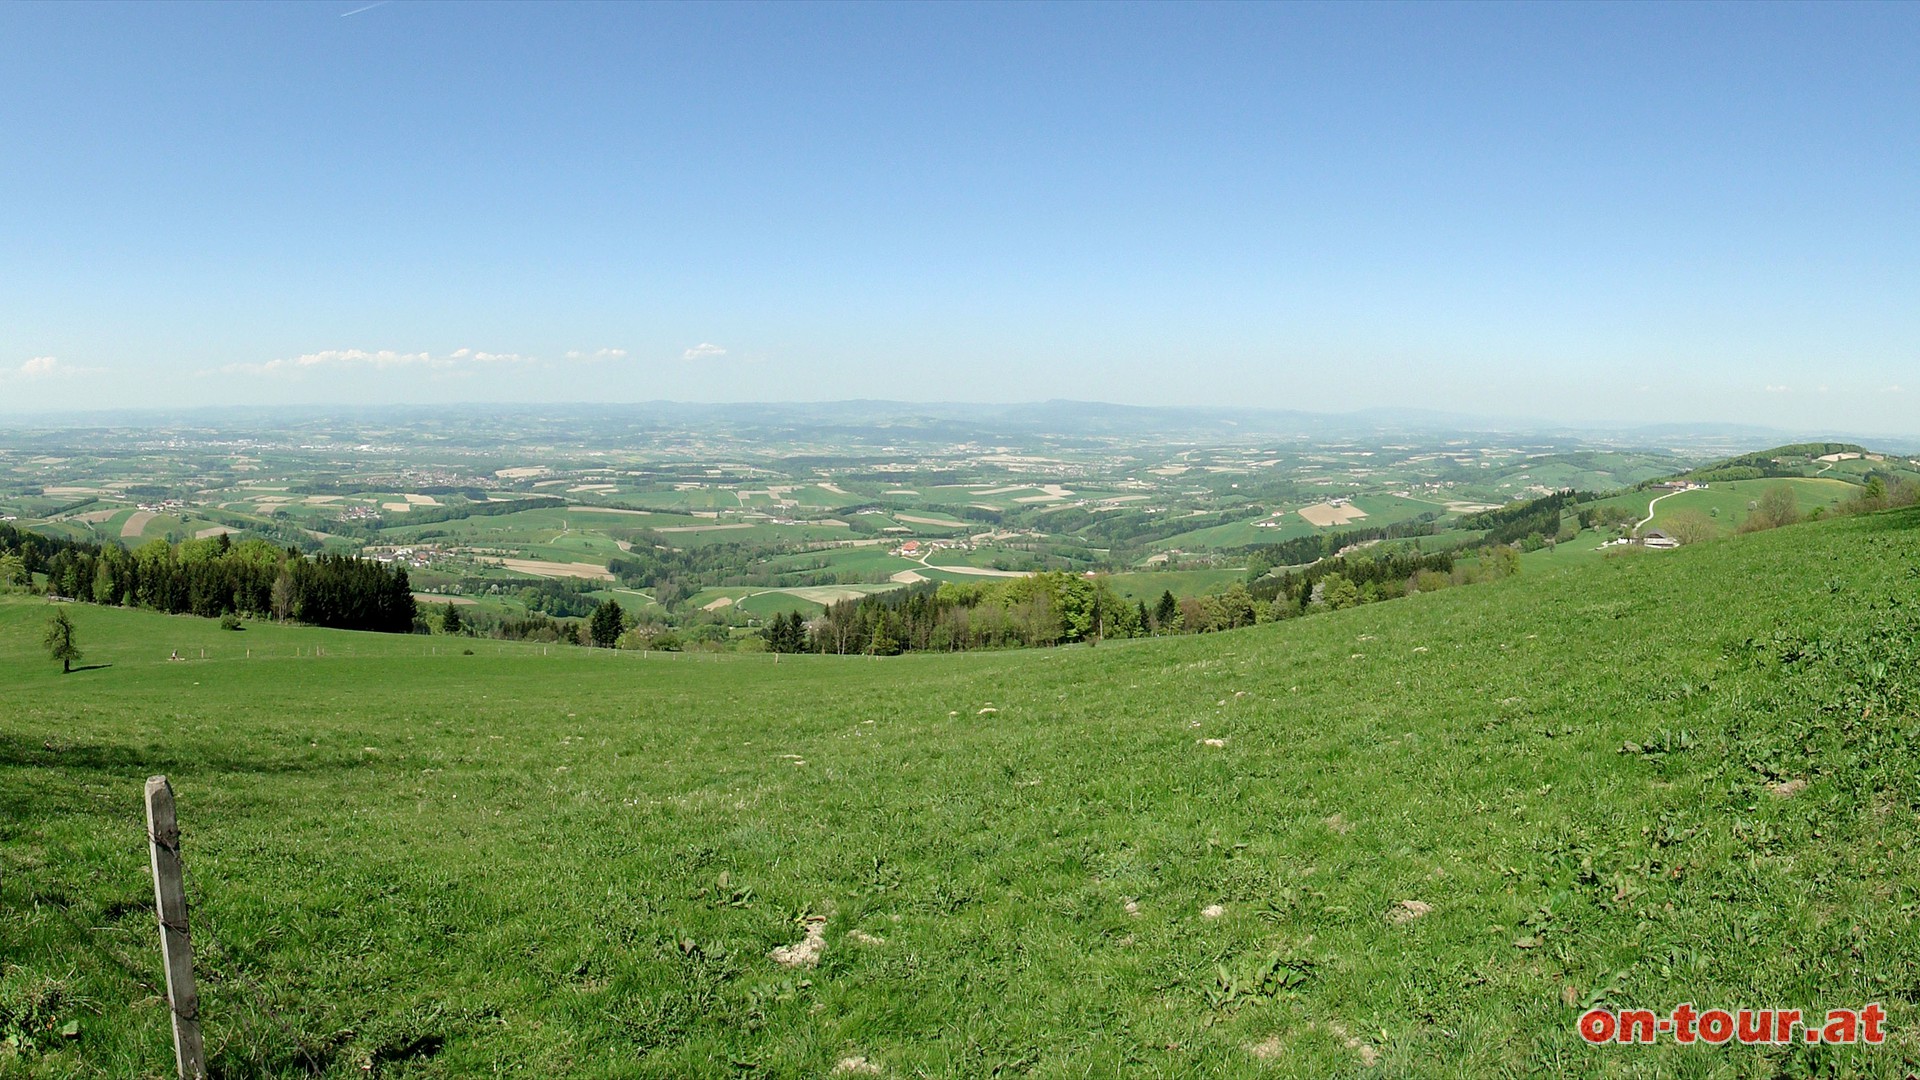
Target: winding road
[1649,517]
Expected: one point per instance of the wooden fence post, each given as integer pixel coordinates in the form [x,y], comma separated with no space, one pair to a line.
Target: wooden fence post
[176,948]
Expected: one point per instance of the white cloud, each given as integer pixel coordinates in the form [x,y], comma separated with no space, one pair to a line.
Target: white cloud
[41,367]
[38,368]
[1771,389]
[380,360]
[596,356]
[336,358]
[477,357]
[706,350]
[1894,389]
[458,363]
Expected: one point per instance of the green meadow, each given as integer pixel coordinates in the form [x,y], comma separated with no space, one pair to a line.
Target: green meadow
[1726,502]
[1147,585]
[1415,838]
[876,560]
[1380,510]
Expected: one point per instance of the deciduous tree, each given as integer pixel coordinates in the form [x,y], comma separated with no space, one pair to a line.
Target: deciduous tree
[1338,592]
[1776,507]
[60,641]
[1689,526]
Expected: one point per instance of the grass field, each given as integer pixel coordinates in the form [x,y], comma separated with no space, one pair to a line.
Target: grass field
[1582,548]
[877,559]
[1635,782]
[1236,534]
[1147,585]
[1380,510]
[761,602]
[765,605]
[538,526]
[1730,498]
[985,557]
[763,534]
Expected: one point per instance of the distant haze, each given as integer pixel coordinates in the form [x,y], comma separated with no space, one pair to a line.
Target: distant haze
[1592,215]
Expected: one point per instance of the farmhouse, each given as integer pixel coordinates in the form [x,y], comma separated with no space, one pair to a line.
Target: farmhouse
[909,550]
[1655,540]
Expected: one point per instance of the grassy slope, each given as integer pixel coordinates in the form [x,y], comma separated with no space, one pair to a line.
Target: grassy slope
[1730,498]
[1380,510]
[878,559]
[1147,585]
[575,864]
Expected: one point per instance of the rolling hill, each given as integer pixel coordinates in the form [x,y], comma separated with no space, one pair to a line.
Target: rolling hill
[1415,838]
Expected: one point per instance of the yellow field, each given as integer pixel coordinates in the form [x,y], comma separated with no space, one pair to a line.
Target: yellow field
[1321,515]
[543,568]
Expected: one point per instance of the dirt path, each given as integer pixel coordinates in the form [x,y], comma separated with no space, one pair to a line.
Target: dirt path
[1649,517]
[977,571]
[701,528]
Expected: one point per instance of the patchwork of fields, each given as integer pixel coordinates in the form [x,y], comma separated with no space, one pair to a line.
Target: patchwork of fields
[717,533]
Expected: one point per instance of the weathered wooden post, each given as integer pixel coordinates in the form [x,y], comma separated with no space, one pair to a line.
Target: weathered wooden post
[176,948]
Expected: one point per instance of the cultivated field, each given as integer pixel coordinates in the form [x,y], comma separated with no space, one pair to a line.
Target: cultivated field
[543,568]
[1326,515]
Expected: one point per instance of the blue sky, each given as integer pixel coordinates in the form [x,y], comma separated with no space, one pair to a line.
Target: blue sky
[1578,212]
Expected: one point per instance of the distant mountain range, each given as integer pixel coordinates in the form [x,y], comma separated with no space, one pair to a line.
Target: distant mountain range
[962,422]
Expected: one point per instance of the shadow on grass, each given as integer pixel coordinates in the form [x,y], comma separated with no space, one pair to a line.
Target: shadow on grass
[54,752]
[1904,518]
[50,779]
[86,667]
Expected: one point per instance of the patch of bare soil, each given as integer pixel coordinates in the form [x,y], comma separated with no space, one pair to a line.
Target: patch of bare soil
[805,952]
[1408,910]
[1368,1055]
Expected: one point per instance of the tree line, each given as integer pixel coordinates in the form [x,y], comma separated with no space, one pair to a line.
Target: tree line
[1353,579]
[1765,463]
[215,577]
[1051,608]
[1305,550]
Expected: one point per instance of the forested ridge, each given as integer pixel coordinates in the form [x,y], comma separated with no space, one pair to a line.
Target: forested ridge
[215,577]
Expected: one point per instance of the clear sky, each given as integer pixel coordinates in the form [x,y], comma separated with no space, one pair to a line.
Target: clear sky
[1580,212]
